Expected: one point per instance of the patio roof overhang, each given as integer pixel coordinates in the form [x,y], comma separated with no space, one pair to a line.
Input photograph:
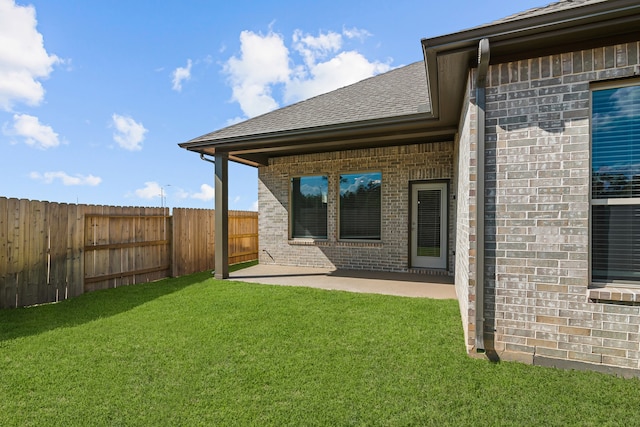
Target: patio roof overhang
[256,149]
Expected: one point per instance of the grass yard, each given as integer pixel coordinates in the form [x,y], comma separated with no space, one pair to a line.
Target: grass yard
[197,351]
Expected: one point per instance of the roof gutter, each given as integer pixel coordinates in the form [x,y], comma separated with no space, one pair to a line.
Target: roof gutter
[481,83]
[539,26]
[331,131]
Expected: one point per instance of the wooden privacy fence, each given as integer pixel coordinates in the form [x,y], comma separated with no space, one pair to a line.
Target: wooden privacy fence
[194,233]
[123,248]
[54,251]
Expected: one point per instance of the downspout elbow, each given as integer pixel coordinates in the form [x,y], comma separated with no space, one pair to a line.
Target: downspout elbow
[202,157]
[481,83]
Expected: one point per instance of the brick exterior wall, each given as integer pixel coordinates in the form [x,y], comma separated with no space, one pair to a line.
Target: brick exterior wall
[399,166]
[537,296]
[465,242]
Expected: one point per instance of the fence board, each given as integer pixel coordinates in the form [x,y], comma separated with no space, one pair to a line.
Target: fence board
[22,247]
[50,222]
[181,244]
[57,231]
[39,248]
[13,252]
[4,252]
[74,285]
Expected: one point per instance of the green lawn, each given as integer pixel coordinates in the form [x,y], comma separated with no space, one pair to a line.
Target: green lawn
[196,351]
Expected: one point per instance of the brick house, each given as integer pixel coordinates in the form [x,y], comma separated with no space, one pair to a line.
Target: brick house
[507,159]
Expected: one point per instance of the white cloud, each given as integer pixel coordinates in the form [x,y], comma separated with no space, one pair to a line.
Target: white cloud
[129,134]
[254,206]
[206,193]
[341,70]
[266,64]
[312,48]
[23,58]
[150,190]
[235,120]
[181,74]
[33,132]
[263,62]
[49,177]
[356,33]
[181,194]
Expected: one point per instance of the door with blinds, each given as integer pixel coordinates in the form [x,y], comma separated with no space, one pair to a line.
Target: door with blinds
[429,225]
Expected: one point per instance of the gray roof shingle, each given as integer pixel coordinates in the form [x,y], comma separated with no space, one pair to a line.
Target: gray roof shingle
[399,92]
[543,10]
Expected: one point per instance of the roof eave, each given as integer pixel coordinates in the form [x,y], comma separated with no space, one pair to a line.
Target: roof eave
[538,24]
[255,149]
[448,57]
[304,132]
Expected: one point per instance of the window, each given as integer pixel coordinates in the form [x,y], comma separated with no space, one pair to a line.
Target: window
[309,207]
[360,206]
[615,184]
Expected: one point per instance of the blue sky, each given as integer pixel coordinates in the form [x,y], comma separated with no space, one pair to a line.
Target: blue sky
[96,95]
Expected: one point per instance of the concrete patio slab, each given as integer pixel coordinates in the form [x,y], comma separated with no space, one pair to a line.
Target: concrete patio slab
[401,284]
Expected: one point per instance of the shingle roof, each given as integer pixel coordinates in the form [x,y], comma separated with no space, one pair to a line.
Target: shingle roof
[543,10]
[399,92]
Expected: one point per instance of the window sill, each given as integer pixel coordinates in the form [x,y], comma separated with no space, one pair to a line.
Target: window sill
[308,242]
[361,243]
[611,295]
[326,242]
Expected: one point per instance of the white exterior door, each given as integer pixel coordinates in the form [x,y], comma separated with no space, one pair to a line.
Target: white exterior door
[429,225]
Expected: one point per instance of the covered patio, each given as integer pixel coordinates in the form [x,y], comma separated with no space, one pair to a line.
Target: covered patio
[387,283]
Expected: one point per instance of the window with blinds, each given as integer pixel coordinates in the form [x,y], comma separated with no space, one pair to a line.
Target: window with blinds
[309,207]
[615,184]
[360,206]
